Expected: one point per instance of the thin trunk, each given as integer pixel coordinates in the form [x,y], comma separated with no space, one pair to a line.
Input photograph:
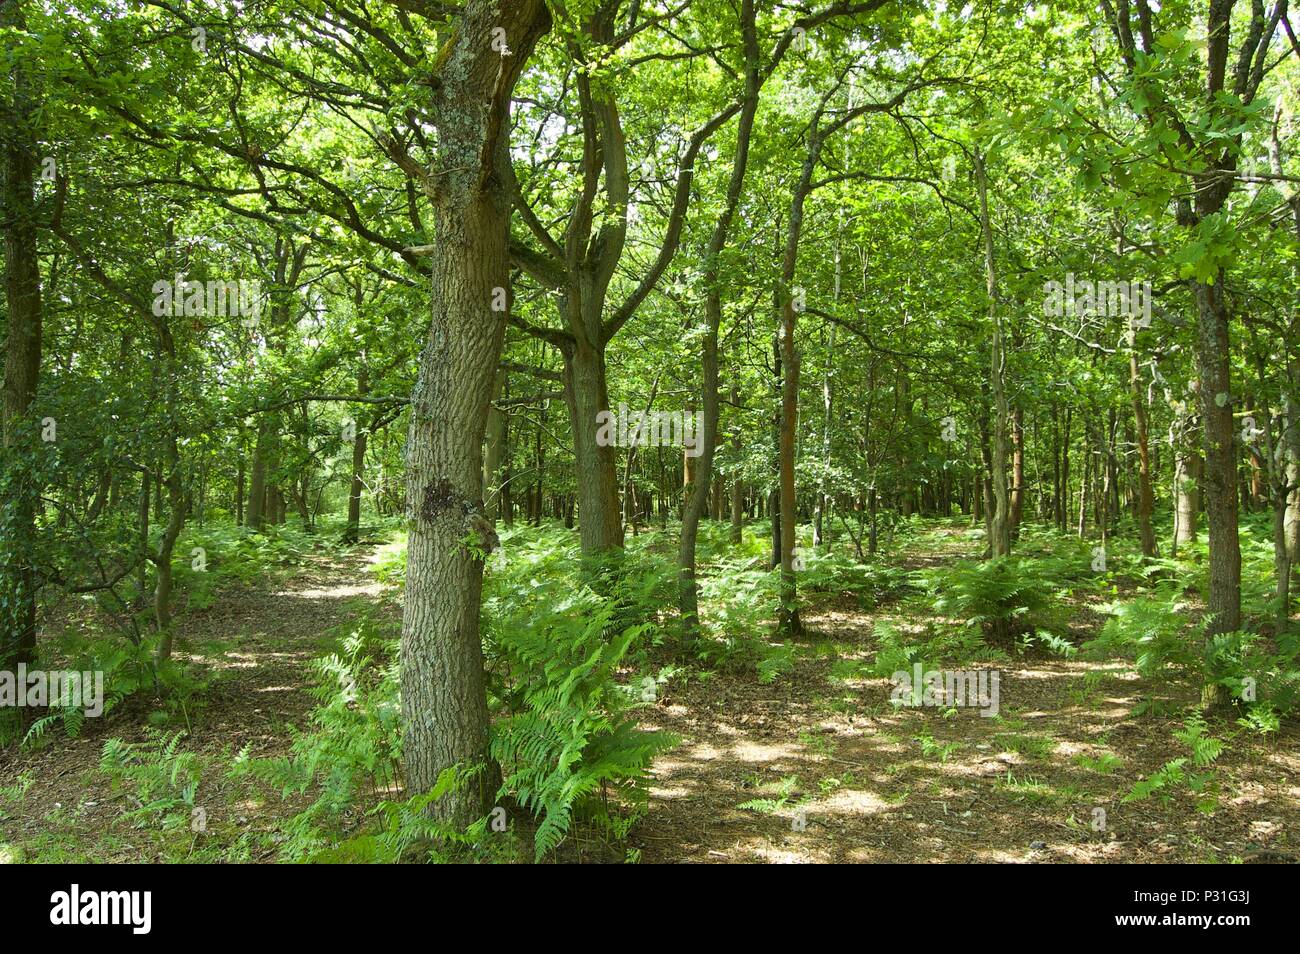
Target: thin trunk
[1145,497]
[1000,524]
[688,596]
[494,451]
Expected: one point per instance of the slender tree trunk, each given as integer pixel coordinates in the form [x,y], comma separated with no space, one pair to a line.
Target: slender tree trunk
[688,596]
[494,452]
[1000,525]
[357,485]
[1017,469]
[167,545]
[1145,497]
[256,514]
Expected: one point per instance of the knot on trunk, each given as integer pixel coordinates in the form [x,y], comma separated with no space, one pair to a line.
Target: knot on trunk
[441,498]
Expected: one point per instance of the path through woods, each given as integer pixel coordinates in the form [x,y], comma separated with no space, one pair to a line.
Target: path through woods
[816,766]
[266,635]
[819,767]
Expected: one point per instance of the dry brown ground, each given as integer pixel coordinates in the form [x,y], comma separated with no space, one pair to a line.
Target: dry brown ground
[273,629]
[865,782]
[851,778]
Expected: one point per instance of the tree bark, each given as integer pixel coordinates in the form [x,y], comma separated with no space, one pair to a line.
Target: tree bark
[357,485]
[1223,603]
[1145,497]
[1000,523]
[21,436]
[494,452]
[688,594]
[444,705]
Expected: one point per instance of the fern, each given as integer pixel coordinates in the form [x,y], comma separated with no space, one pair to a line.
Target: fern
[567,738]
[1175,774]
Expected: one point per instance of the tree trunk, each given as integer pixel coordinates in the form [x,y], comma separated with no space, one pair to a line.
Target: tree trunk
[1017,469]
[494,452]
[1223,604]
[1145,497]
[21,437]
[1000,524]
[688,596]
[586,395]
[444,706]
[256,514]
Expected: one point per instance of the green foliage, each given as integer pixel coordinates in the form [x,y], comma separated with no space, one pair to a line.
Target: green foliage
[1153,630]
[354,749]
[1156,632]
[933,749]
[1104,764]
[1174,775]
[128,669]
[786,790]
[897,651]
[567,738]
[407,831]
[161,777]
[1010,593]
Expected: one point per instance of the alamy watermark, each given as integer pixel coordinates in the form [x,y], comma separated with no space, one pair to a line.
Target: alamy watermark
[1085,298]
[976,688]
[622,428]
[38,688]
[131,908]
[214,299]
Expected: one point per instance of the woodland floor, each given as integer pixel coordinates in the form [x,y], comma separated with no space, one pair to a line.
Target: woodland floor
[839,775]
[264,637]
[854,779]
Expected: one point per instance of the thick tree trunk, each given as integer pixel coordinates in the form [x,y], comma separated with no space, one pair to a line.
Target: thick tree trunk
[586,395]
[1223,604]
[444,705]
[256,514]
[21,436]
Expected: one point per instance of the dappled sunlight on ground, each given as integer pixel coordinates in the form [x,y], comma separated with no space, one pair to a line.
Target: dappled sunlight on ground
[825,780]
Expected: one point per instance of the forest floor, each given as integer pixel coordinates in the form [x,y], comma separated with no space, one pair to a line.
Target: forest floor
[258,641]
[816,766]
[820,767]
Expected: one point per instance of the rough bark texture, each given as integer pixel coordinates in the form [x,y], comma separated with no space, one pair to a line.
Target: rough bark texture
[1187,504]
[586,394]
[1223,603]
[21,437]
[444,706]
